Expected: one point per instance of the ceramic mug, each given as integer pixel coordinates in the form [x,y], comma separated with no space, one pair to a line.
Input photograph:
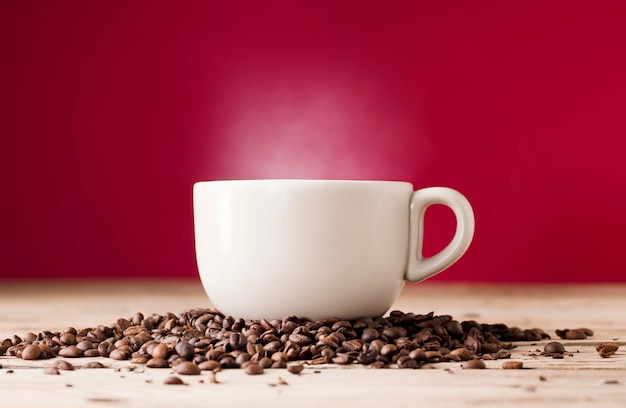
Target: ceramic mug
[317,248]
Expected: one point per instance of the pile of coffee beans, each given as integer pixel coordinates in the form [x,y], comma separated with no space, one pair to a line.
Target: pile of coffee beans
[205,339]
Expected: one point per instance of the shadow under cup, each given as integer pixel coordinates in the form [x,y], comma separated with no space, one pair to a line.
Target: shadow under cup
[311,248]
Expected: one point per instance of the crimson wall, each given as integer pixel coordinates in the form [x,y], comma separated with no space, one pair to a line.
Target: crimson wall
[110,111]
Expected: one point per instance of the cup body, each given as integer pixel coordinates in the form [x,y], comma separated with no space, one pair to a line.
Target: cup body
[311,248]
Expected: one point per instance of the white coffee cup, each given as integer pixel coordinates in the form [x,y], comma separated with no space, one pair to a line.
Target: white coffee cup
[317,248]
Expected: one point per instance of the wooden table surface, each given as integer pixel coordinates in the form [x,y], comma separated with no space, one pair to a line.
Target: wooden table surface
[585,379]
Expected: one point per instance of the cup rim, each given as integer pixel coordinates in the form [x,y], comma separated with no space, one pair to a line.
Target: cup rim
[301,181]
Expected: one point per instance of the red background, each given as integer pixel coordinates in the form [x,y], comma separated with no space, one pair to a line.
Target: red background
[111,110]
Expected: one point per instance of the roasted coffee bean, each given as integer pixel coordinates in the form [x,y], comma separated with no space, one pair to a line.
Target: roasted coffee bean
[70,352]
[227,361]
[512,365]
[51,371]
[587,331]
[388,349]
[474,364]
[279,364]
[157,363]
[63,365]
[253,369]
[369,335]
[31,352]
[575,334]
[407,362]
[554,347]
[94,364]
[265,362]
[187,368]
[105,348]
[184,350]
[119,354]
[209,365]
[295,368]
[462,352]
[605,350]
[173,381]
[160,351]
[433,356]
[343,359]
[367,357]
[67,339]
[417,354]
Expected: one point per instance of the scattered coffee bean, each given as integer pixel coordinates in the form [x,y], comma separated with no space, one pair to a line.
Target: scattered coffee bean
[94,364]
[187,368]
[51,371]
[63,365]
[512,365]
[295,368]
[173,381]
[554,347]
[574,334]
[542,378]
[282,381]
[474,364]
[605,350]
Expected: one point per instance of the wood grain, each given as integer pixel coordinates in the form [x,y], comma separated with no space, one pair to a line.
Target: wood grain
[584,379]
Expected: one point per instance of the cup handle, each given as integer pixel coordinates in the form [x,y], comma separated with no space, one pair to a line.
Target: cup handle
[420,268]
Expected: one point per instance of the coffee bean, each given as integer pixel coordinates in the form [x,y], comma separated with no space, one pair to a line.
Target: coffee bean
[94,364]
[187,368]
[554,347]
[119,354]
[63,365]
[512,365]
[606,350]
[209,365]
[295,368]
[91,353]
[369,335]
[67,339]
[299,339]
[575,334]
[388,349]
[343,359]
[157,363]
[587,331]
[474,364]
[51,371]
[31,352]
[253,369]
[462,352]
[279,364]
[265,362]
[139,360]
[406,362]
[70,352]
[160,351]
[184,350]
[173,381]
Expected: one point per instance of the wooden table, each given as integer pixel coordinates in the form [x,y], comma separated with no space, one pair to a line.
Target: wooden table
[583,379]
